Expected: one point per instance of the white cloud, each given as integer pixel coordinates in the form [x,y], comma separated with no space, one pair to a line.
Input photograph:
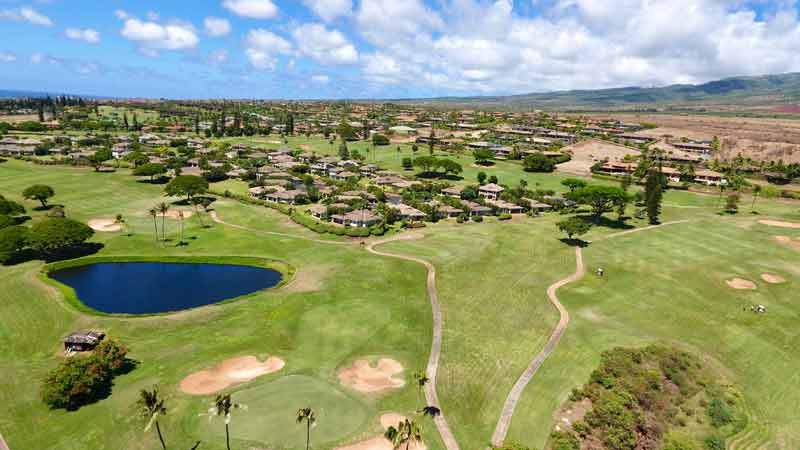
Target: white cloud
[152,15]
[323,45]
[216,26]
[121,14]
[87,35]
[320,79]
[385,22]
[26,14]
[262,48]
[7,57]
[152,37]
[254,9]
[329,10]
[37,58]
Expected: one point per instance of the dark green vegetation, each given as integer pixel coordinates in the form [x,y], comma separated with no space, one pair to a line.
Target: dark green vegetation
[638,396]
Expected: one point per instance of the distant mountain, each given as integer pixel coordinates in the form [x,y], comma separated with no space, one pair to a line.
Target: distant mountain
[5,93]
[743,91]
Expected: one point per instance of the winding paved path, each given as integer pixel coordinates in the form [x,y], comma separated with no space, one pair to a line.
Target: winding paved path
[436,345]
[507,413]
[3,445]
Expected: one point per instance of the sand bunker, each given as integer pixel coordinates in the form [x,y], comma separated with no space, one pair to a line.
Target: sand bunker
[772,278]
[228,373]
[105,225]
[380,442]
[173,213]
[789,242]
[780,223]
[741,284]
[362,377]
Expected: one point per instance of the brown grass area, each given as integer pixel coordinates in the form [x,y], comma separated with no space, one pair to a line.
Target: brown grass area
[586,153]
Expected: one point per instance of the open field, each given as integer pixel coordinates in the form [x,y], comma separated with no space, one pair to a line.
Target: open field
[586,153]
[760,139]
[345,304]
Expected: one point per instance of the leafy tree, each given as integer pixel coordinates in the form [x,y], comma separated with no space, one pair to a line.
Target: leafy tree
[732,203]
[574,227]
[345,131]
[493,179]
[483,156]
[136,158]
[481,178]
[13,239]
[408,164]
[6,221]
[574,183]
[344,153]
[40,192]
[756,193]
[379,139]
[422,379]
[10,207]
[188,185]
[56,235]
[151,407]
[150,170]
[653,193]
[99,157]
[599,198]
[538,162]
[307,415]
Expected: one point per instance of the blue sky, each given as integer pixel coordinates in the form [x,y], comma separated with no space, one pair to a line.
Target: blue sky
[385,48]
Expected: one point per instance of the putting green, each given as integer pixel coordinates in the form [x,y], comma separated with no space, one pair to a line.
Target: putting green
[270,419]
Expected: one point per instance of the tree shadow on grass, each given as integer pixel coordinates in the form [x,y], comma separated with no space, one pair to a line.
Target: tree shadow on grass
[604,221]
[159,180]
[575,242]
[26,255]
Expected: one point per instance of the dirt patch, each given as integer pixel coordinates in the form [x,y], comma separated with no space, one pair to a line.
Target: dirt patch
[772,278]
[105,225]
[586,153]
[229,373]
[780,224]
[571,413]
[379,442]
[741,284]
[362,377]
[794,244]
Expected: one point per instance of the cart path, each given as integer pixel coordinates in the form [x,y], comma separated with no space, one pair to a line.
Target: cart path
[217,219]
[431,395]
[507,413]
[651,227]
[3,445]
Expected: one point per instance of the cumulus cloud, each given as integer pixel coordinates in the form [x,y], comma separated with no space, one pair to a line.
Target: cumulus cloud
[7,57]
[26,14]
[320,79]
[152,36]
[218,57]
[262,48]
[87,35]
[329,10]
[254,9]
[216,26]
[323,45]
[385,22]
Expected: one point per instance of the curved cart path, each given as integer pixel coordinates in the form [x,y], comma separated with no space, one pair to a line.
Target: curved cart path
[504,422]
[3,445]
[436,345]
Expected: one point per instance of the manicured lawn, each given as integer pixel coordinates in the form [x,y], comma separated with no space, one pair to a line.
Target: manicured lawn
[344,304]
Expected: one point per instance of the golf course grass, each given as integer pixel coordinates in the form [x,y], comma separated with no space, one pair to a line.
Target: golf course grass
[665,284]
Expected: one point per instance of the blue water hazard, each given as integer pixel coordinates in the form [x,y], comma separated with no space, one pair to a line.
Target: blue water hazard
[154,287]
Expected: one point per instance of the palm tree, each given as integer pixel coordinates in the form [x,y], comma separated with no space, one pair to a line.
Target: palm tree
[422,379]
[223,406]
[163,208]
[307,415]
[406,432]
[180,218]
[151,406]
[153,213]
[756,193]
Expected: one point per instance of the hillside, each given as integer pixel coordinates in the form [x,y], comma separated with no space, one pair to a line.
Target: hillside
[741,91]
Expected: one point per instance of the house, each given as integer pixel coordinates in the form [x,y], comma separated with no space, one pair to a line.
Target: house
[454,191]
[710,178]
[408,213]
[537,206]
[392,198]
[504,207]
[342,175]
[476,209]
[490,191]
[672,174]
[290,197]
[361,218]
[401,129]
[318,211]
[616,168]
[82,341]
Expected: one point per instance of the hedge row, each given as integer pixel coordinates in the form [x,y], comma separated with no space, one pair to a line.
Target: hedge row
[322,227]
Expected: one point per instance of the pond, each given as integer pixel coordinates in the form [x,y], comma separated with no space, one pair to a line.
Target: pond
[155,287]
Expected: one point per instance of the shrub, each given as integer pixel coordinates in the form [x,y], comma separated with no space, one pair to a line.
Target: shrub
[562,440]
[538,162]
[504,216]
[477,219]
[715,443]
[719,412]
[379,139]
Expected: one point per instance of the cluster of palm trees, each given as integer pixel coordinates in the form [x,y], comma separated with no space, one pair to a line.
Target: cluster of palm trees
[407,432]
[161,210]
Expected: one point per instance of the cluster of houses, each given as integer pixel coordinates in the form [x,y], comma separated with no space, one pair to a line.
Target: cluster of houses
[673,175]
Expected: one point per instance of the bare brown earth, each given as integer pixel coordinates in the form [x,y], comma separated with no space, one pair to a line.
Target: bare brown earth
[363,377]
[228,373]
[105,225]
[780,224]
[772,278]
[789,242]
[586,153]
[757,138]
[741,284]
[571,413]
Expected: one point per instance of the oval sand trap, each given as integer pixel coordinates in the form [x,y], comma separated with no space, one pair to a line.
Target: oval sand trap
[780,224]
[105,225]
[228,373]
[794,244]
[362,377]
[772,278]
[741,284]
[379,442]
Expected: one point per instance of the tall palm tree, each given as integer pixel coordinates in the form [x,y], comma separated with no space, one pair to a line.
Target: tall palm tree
[307,415]
[422,379]
[223,406]
[163,208]
[406,433]
[153,213]
[152,406]
[180,218]
[756,193]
